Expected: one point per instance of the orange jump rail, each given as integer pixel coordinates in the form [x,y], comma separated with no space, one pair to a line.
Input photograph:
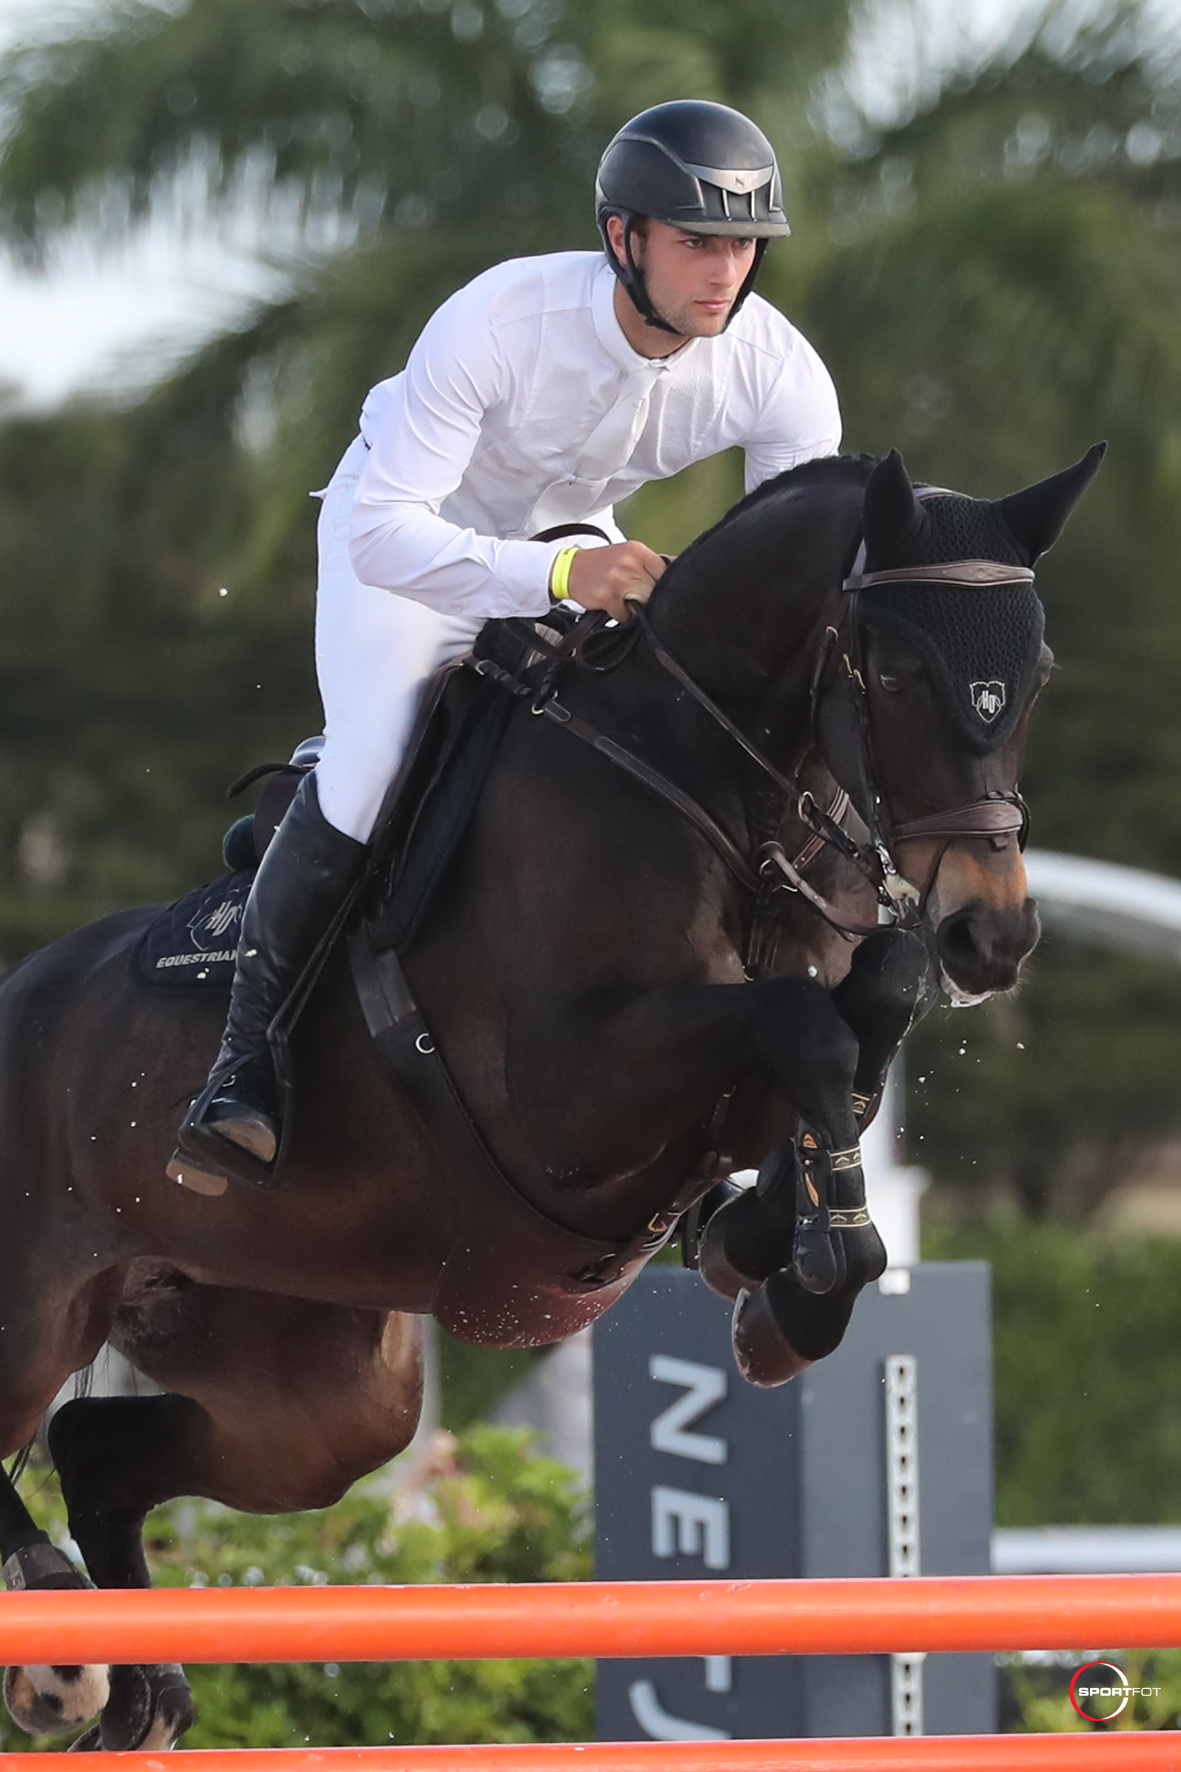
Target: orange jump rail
[615,1619]
[947,1753]
[591,1618]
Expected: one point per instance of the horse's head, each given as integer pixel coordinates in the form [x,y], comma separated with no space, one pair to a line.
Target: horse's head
[938,658]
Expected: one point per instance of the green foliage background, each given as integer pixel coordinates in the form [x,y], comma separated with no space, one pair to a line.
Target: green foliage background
[501,1514]
[1087,1371]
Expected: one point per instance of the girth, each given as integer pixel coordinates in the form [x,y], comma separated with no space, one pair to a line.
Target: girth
[513,1276]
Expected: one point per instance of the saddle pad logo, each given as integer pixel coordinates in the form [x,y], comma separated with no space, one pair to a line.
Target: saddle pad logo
[988,699]
[191,944]
[210,928]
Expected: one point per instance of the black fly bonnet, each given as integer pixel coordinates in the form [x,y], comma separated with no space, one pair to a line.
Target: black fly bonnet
[964,599]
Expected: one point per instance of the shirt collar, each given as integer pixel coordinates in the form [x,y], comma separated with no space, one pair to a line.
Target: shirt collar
[611,334]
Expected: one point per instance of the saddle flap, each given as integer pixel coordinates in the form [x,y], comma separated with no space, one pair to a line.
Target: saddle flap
[457,731]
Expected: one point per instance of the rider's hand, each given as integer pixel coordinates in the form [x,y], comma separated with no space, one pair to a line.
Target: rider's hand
[600,578]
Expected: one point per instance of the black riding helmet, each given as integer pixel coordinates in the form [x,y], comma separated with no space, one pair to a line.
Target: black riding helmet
[698,166]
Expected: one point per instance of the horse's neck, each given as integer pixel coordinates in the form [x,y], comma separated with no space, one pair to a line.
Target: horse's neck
[745,610]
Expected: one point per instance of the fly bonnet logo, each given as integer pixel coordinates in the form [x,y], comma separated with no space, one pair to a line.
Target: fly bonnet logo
[988,698]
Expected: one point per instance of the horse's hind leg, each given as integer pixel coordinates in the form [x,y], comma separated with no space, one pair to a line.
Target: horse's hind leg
[49,1332]
[148,1706]
[43,1700]
[278,1404]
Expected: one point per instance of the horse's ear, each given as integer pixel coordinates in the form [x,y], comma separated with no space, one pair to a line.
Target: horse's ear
[1036,517]
[893,515]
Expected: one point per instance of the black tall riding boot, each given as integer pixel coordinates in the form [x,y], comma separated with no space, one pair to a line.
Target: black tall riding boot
[234,1128]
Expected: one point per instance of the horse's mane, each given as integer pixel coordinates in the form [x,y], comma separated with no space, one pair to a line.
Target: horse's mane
[826,470]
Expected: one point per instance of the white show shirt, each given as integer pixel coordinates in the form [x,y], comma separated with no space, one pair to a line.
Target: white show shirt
[483,438]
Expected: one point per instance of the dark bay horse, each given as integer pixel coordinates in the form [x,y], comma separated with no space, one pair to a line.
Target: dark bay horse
[627,1010]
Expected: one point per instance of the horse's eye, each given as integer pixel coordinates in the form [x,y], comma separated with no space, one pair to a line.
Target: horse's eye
[890,683]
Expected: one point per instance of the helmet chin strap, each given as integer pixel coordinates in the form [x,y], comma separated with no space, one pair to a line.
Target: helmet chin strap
[637,288]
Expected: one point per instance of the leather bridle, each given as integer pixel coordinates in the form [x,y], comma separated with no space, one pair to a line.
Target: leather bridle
[996,816]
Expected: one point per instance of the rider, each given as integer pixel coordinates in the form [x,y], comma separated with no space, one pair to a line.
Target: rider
[538,396]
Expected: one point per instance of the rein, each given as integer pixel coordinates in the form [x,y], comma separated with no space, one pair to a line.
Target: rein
[827,831]
[997,815]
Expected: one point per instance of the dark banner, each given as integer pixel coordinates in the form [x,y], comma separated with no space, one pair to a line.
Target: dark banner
[877,1460]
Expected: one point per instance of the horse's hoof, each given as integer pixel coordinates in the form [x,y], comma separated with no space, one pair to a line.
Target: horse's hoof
[818,1262]
[762,1352]
[745,1241]
[149,1708]
[714,1264]
[51,1700]
[192,1176]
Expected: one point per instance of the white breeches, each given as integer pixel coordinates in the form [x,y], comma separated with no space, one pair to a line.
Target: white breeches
[374,652]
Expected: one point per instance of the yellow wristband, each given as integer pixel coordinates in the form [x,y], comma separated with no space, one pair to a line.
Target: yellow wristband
[559,573]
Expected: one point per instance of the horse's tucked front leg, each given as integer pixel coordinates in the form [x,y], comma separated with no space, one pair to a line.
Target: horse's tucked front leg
[892,983]
[796,1251]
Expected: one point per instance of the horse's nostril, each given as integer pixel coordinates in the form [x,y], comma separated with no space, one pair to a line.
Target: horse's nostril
[957,941]
[982,948]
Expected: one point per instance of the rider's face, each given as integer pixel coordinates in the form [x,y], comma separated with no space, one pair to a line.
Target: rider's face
[693,280]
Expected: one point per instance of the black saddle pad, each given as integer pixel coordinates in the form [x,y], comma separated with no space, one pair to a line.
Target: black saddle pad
[191,944]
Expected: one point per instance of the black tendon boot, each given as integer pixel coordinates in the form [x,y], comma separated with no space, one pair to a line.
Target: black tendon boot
[234,1127]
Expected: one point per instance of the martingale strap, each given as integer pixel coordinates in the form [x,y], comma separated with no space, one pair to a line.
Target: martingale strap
[748,876]
[772,858]
[552,709]
[651,778]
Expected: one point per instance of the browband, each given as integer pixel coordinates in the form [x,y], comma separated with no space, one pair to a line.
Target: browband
[949,572]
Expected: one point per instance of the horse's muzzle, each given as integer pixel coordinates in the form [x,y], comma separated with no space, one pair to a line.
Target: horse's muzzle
[981,946]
